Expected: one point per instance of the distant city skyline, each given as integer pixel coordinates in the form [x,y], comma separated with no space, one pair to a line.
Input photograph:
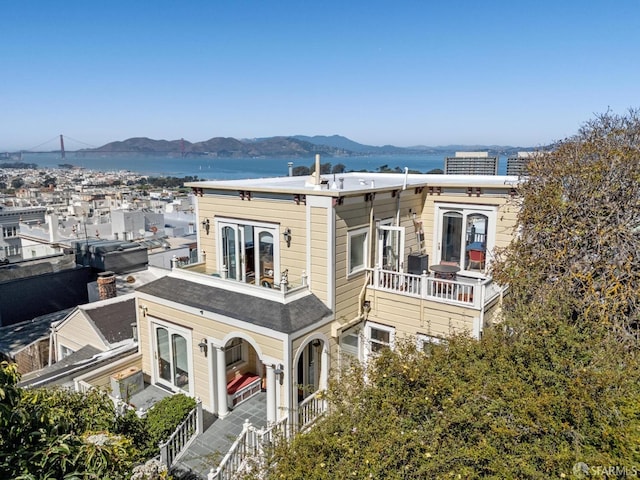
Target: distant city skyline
[408,73]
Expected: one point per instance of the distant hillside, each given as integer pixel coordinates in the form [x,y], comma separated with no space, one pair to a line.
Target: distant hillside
[296,146]
[339,141]
[223,147]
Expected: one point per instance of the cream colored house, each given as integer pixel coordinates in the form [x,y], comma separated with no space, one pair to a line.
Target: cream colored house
[299,274]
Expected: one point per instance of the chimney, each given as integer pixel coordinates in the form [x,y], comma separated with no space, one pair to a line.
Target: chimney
[52,219]
[317,172]
[106,285]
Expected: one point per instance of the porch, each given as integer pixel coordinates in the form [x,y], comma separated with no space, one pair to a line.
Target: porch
[209,448]
[464,291]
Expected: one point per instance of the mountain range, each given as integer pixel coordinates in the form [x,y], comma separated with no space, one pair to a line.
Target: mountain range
[293,146]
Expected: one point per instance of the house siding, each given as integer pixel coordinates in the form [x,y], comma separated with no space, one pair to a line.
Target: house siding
[200,328]
[411,315]
[76,332]
[319,253]
[285,213]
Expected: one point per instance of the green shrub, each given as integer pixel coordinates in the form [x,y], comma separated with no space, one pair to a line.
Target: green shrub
[165,416]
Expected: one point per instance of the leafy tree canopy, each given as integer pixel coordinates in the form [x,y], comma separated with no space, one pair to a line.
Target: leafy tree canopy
[513,405]
[579,223]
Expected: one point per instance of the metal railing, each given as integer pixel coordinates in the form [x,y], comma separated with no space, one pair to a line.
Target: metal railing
[468,292]
[185,433]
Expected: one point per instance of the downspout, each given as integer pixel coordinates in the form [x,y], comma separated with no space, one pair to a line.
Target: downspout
[362,295]
[367,278]
[53,331]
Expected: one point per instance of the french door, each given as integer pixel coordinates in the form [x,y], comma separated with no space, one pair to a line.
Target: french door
[248,252]
[390,247]
[461,229]
[172,358]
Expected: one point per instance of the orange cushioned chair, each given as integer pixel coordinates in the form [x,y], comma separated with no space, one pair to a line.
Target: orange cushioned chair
[476,257]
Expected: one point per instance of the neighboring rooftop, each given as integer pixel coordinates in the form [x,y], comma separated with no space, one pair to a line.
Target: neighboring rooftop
[352,182]
[113,317]
[14,338]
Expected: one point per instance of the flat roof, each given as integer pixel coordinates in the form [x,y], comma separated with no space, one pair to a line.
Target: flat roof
[355,182]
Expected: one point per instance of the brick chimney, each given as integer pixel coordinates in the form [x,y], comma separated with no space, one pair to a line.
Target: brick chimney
[106,285]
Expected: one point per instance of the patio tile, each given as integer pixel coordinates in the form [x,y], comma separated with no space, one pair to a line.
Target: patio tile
[209,448]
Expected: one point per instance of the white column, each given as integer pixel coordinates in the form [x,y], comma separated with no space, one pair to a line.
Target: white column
[221,387]
[324,365]
[271,394]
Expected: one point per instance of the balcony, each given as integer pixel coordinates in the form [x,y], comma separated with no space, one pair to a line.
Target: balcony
[277,287]
[464,291]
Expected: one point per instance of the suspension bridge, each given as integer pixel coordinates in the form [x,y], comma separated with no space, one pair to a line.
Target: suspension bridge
[57,145]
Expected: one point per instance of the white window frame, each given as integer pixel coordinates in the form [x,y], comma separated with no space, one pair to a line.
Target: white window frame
[387,226]
[350,352]
[240,244]
[354,269]
[423,339]
[244,353]
[10,232]
[369,326]
[465,209]
[172,329]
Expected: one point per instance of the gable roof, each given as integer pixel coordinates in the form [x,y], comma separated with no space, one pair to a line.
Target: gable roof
[113,320]
[285,318]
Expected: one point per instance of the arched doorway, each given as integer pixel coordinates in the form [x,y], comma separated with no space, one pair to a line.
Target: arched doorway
[311,377]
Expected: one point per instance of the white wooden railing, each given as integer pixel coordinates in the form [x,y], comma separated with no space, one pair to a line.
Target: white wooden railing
[310,409]
[470,292]
[184,435]
[245,447]
[252,441]
[120,405]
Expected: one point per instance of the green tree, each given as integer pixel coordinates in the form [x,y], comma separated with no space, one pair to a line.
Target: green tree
[58,433]
[508,406]
[339,168]
[579,221]
[301,171]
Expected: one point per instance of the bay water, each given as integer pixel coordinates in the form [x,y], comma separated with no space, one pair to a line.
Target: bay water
[216,168]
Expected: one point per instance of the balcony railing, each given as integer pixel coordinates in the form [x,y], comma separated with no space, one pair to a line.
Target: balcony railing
[310,409]
[181,438]
[251,443]
[471,292]
[278,289]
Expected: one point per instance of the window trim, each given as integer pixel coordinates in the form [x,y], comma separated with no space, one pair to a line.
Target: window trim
[349,350]
[387,225]
[378,326]
[422,339]
[258,228]
[171,328]
[365,250]
[465,209]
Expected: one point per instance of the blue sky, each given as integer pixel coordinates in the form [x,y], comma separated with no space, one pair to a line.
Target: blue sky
[426,72]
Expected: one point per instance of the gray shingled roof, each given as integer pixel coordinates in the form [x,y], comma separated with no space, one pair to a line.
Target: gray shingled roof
[14,338]
[113,320]
[285,318]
